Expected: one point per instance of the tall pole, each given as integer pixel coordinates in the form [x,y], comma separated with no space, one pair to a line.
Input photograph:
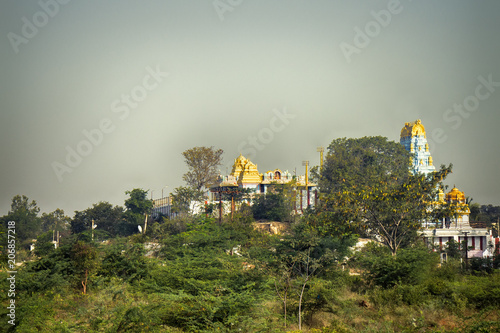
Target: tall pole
[301,204]
[466,247]
[220,206]
[163,201]
[232,205]
[320,150]
[306,164]
[92,229]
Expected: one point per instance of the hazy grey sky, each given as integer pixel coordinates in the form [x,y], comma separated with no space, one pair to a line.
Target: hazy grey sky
[132,84]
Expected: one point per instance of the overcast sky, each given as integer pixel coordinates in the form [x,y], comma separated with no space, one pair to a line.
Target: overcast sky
[100,97]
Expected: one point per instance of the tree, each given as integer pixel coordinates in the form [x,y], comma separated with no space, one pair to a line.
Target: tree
[276,204]
[182,198]
[138,206]
[412,265]
[85,259]
[105,216]
[283,283]
[453,249]
[366,187]
[395,214]
[25,214]
[360,162]
[55,221]
[300,257]
[202,163]
[271,206]
[44,244]
[138,203]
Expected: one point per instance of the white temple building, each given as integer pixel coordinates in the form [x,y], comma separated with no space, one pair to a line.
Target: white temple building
[457,228]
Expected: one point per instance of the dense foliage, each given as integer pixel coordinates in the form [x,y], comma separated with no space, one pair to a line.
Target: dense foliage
[194,273]
[366,187]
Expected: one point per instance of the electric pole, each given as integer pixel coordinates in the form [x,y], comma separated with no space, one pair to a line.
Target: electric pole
[306,164]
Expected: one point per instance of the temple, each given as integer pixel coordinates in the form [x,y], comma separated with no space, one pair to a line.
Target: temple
[414,139]
[245,174]
[458,227]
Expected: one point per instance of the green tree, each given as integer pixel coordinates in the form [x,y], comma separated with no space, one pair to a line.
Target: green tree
[44,244]
[276,204]
[412,265]
[85,259]
[25,214]
[366,187]
[182,198]
[106,217]
[475,210]
[396,214]
[300,257]
[453,249]
[271,206]
[138,206]
[202,163]
[55,221]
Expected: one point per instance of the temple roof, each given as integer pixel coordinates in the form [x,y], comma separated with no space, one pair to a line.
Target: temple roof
[413,129]
[245,171]
[455,195]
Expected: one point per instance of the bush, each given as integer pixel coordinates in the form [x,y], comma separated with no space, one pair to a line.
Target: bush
[410,266]
[482,291]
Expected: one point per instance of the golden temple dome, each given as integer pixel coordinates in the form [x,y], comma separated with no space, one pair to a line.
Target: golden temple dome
[245,171]
[415,128]
[455,195]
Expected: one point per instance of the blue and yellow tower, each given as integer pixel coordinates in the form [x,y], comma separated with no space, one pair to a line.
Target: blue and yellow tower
[414,140]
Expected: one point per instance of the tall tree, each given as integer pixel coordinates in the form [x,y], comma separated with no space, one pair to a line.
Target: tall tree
[394,215]
[138,206]
[182,198]
[55,221]
[202,163]
[105,216]
[366,187]
[86,261]
[300,257]
[360,163]
[25,213]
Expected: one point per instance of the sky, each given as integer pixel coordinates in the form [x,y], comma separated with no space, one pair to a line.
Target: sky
[101,97]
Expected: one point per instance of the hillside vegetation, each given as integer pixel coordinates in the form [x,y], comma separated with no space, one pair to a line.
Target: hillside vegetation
[206,277]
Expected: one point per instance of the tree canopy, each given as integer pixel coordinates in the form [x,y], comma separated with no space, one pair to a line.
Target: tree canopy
[105,216]
[366,187]
[202,163]
[25,213]
[182,197]
[137,207]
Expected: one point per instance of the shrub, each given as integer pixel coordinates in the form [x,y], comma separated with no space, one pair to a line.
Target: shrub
[410,266]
